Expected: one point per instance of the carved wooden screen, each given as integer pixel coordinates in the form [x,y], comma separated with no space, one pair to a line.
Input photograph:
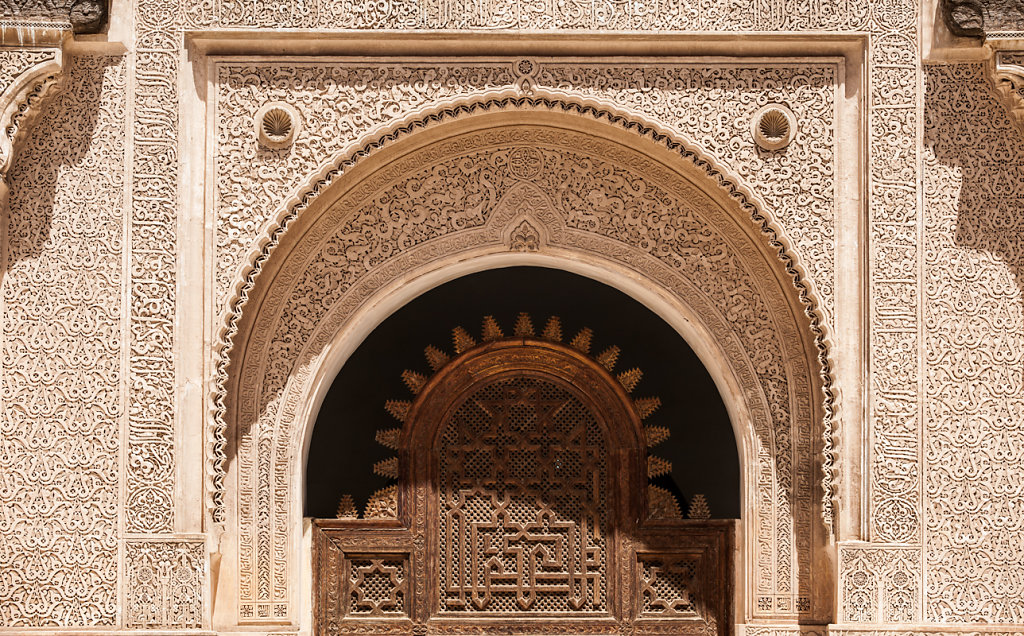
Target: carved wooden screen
[523,523]
[521,506]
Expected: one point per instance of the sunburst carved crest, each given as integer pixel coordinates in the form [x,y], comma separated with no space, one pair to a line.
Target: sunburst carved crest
[662,504]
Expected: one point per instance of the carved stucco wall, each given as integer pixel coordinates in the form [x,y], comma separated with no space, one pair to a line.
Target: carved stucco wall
[709,15]
[973,438]
[340,102]
[918,332]
[64,396]
[894,280]
[62,372]
[972,381]
[892,122]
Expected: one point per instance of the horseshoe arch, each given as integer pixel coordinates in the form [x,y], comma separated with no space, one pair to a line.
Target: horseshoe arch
[542,184]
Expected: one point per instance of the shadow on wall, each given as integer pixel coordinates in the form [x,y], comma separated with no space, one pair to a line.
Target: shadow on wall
[61,373]
[59,141]
[974,331]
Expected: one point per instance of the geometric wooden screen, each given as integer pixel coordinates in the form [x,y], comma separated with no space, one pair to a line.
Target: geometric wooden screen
[523,499]
[522,506]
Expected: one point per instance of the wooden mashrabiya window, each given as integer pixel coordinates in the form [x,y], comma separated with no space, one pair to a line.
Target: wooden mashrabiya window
[522,506]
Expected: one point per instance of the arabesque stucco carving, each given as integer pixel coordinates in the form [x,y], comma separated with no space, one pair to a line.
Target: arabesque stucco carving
[595,198]
[93,277]
[62,346]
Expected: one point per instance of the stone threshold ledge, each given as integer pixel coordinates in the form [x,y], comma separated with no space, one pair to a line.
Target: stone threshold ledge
[934,629]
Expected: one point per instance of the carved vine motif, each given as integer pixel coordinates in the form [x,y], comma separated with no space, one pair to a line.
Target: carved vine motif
[525,238]
[347,101]
[164,584]
[61,378]
[880,585]
[342,271]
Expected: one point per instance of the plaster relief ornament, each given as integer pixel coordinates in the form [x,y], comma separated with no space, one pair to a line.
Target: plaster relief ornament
[774,127]
[277,125]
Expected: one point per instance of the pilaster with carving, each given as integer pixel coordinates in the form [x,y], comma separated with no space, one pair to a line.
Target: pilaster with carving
[165,583]
[879,584]
[149,489]
[895,290]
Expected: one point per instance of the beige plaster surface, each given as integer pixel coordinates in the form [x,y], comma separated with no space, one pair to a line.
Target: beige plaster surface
[116,156]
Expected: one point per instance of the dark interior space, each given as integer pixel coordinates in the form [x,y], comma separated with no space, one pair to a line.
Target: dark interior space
[702,447]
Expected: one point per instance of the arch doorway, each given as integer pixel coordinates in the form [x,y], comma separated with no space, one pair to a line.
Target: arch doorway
[476,190]
[535,487]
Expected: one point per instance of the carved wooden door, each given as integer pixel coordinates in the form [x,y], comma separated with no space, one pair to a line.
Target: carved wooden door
[523,503]
[521,507]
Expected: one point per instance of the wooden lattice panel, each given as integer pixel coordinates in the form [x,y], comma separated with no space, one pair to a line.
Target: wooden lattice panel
[669,586]
[520,507]
[523,488]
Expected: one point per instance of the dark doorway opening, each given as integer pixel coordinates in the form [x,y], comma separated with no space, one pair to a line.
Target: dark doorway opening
[702,447]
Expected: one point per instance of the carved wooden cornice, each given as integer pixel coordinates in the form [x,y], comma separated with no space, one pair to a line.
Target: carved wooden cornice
[984,18]
[1006,70]
[999,24]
